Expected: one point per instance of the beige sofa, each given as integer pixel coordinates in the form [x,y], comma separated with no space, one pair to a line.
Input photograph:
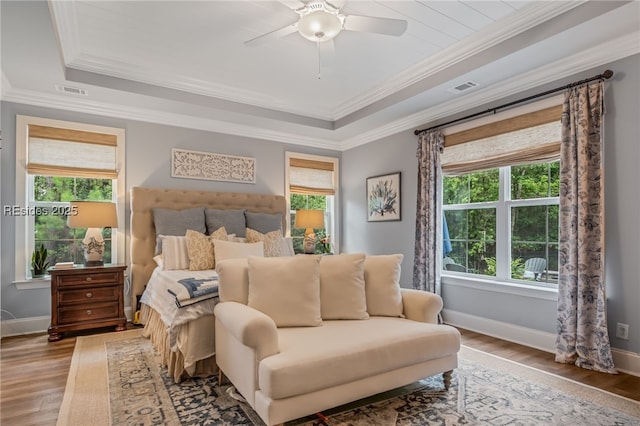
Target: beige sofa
[303,334]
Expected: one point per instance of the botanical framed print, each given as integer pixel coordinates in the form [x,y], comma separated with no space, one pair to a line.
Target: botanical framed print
[383,197]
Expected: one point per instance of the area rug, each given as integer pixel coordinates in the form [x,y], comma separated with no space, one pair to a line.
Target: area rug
[116,379]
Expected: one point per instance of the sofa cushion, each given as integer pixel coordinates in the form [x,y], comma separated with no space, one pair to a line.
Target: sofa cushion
[342,294]
[382,285]
[342,351]
[287,289]
[233,280]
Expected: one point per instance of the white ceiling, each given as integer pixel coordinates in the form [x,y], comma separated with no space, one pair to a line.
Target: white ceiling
[185,63]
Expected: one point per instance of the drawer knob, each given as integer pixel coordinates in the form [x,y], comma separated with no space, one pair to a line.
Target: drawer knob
[89,312]
[88,278]
[89,295]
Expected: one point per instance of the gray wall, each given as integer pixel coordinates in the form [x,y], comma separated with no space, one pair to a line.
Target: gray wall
[622,157]
[148,148]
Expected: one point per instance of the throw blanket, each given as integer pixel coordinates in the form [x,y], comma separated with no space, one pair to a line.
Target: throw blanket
[194,289]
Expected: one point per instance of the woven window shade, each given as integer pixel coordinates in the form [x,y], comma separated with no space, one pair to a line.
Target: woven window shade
[311,177]
[65,152]
[525,139]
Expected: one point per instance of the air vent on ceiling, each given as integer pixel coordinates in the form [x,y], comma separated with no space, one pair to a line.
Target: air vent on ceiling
[72,90]
[463,87]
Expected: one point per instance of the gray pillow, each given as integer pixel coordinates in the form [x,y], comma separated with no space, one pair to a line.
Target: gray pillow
[232,220]
[176,222]
[264,222]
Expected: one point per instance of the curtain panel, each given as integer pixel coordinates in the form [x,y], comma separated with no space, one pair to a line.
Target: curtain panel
[582,337]
[428,252]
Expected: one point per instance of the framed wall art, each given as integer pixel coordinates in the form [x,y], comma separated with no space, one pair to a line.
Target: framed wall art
[211,166]
[383,197]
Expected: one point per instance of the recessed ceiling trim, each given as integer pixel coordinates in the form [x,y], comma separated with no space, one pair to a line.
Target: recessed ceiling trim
[64,20]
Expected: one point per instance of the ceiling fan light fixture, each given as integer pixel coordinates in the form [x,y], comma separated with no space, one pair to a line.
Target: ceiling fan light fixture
[319,25]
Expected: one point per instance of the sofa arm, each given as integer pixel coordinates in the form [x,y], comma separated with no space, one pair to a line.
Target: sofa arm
[249,326]
[421,305]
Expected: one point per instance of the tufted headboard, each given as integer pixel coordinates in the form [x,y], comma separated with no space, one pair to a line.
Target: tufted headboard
[143,234]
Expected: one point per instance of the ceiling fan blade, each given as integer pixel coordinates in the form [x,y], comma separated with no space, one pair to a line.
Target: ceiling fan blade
[370,24]
[280,32]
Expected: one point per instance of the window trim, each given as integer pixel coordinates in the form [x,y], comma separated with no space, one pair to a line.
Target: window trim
[334,207]
[25,223]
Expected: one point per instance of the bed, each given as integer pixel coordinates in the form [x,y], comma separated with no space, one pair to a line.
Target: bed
[183,336]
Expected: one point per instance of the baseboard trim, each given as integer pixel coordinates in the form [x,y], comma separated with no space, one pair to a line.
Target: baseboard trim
[33,325]
[625,361]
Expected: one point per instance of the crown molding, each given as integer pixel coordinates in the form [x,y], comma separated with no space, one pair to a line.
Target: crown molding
[604,53]
[64,102]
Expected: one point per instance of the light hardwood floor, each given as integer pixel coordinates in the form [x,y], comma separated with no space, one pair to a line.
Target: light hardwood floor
[33,374]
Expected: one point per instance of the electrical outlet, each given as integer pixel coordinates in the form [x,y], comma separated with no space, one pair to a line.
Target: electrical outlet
[622,331]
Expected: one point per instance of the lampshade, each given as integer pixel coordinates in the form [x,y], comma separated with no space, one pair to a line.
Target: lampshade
[319,26]
[92,214]
[309,219]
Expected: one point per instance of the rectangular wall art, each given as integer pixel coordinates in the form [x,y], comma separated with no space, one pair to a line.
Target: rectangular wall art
[211,166]
[383,197]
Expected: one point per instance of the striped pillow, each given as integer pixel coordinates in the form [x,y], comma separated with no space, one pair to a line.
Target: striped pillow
[174,252]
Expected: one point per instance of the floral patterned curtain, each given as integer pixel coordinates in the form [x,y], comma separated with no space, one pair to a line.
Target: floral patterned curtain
[426,272]
[582,337]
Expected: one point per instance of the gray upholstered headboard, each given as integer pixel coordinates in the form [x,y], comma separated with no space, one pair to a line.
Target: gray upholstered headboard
[143,234]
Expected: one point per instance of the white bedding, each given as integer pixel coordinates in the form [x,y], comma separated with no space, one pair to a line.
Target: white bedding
[157,296]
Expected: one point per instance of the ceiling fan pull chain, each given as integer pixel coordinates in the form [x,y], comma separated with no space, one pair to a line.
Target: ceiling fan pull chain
[318,44]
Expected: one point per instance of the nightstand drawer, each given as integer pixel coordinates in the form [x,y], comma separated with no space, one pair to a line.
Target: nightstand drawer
[88,313]
[95,278]
[88,295]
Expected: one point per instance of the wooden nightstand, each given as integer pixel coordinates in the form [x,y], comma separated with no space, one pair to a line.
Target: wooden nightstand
[86,297]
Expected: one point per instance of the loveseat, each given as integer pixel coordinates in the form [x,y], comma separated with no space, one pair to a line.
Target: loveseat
[301,334]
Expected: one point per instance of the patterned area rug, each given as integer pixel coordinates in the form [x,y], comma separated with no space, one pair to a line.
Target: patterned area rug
[141,393]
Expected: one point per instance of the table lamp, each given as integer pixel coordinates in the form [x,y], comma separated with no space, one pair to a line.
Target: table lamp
[93,215]
[309,219]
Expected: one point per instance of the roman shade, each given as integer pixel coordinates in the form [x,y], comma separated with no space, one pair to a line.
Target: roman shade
[311,177]
[72,153]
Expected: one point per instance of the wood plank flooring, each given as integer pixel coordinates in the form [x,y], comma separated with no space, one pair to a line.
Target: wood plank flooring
[33,374]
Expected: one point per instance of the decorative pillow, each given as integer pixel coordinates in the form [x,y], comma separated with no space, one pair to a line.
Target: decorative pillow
[342,290]
[232,220]
[272,241]
[176,222]
[263,222]
[231,250]
[287,289]
[287,247]
[175,254]
[158,259]
[200,248]
[382,285]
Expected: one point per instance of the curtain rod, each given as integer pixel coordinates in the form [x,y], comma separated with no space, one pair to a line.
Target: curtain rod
[604,76]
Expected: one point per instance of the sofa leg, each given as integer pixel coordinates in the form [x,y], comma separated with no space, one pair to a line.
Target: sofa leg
[446,378]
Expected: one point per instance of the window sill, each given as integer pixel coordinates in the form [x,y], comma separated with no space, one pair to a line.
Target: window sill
[33,283]
[485,284]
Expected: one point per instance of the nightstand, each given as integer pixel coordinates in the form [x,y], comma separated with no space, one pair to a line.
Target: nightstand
[85,297]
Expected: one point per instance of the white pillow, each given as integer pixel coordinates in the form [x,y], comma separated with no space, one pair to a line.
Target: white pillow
[287,247]
[382,285]
[232,250]
[342,291]
[158,259]
[287,289]
[174,252]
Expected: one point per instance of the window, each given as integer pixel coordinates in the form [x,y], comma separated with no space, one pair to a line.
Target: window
[312,184]
[500,198]
[58,162]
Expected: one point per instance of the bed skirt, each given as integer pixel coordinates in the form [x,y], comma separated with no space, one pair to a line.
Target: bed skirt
[194,351]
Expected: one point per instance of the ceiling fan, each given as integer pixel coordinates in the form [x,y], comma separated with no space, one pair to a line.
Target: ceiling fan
[320,21]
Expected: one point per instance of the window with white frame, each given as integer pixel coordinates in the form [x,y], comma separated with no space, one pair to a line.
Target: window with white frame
[500,199]
[59,162]
[312,184]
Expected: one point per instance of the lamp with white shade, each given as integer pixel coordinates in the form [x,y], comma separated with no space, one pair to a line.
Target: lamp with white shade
[93,215]
[310,220]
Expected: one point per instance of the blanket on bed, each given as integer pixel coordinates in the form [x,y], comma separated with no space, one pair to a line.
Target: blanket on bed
[193,289]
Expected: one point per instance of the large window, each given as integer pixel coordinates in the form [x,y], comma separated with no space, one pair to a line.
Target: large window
[312,184]
[58,162]
[500,197]
[504,222]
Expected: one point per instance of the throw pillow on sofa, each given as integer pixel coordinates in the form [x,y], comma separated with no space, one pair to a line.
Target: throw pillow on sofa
[342,288]
[287,289]
[382,285]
